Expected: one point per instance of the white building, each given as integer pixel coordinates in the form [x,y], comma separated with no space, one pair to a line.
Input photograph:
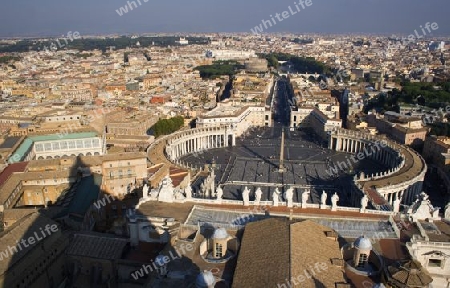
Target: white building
[59,145]
[241,118]
[230,54]
[432,246]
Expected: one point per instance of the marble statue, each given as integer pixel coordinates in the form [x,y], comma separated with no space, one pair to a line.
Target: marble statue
[145,191]
[276,197]
[219,193]
[203,189]
[447,212]
[323,199]
[334,200]
[258,194]
[364,202]
[179,195]
[289,195]
[246,196]
[153,195]
[212,180]
[188,192]
[422,209]
[305,196]
[396,205]
[166,190]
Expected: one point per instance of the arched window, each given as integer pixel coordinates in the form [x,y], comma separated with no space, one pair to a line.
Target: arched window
[363,258]
[218,250]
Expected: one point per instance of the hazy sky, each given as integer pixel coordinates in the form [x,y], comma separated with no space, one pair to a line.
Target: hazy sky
[57,17]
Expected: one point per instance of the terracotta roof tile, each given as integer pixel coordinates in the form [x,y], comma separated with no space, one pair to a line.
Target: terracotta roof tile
[263,259]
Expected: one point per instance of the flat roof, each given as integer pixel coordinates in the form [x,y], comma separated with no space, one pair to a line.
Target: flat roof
[9,142]
[62,136]
[22,150]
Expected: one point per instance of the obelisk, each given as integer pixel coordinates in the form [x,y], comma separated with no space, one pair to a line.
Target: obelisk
[281,166]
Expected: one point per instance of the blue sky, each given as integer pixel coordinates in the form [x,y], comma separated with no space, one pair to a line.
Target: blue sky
[57,17]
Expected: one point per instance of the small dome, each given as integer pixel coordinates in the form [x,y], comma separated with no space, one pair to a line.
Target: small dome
[363,243]
[220,233]
[205,280]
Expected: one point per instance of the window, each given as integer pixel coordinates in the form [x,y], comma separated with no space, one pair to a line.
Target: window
[71,144]
[63,145]
[435,263]
[362,260]
[39,148]
[48,146]
[218,253]
[55,146]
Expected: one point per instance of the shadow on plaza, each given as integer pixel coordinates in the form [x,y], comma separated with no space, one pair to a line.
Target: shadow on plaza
[264,158]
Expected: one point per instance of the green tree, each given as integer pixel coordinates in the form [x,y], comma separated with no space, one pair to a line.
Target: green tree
[167,126]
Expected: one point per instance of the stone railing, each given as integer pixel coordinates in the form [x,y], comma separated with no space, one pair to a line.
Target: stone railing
[394,226]
[270,204]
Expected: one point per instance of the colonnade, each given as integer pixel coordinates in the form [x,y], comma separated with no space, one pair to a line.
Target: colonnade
[378,151]
[200,139]
[363,145]
[407,194]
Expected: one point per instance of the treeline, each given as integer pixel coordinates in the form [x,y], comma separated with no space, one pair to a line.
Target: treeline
[303,41]
[439,129]
[167,126]
[218,68]
[86,44]
[300,64]
[84,55]
[433,95]
[7,59]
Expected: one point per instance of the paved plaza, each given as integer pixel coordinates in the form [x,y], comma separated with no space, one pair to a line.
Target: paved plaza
[254,163]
